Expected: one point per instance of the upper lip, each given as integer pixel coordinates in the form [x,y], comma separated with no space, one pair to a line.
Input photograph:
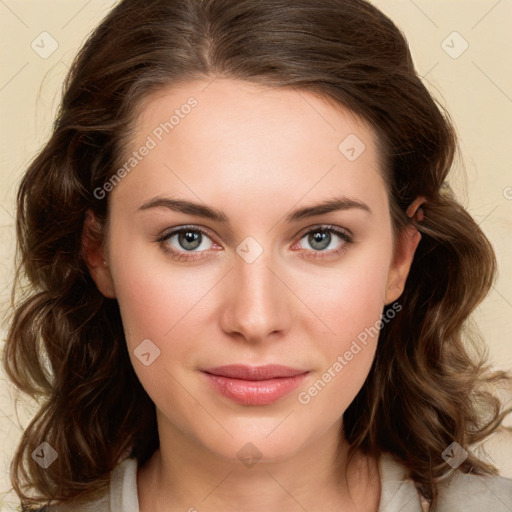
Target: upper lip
[245,372]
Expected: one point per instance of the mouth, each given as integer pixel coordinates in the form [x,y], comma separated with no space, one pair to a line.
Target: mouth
[254,385]
[254,373]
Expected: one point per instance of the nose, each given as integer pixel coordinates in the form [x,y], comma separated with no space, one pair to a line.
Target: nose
[257,304]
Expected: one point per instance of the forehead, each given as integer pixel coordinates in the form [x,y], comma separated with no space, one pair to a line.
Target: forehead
[234,109]
[244,138]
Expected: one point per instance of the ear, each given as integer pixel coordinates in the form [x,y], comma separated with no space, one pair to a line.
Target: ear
[94,255]
[405,249]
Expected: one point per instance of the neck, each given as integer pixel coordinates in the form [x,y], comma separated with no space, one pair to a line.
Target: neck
[183,475]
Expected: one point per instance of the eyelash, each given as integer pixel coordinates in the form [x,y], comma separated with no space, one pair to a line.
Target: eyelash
[187,255]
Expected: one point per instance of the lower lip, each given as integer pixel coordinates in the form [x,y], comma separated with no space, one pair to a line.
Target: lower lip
[255,392]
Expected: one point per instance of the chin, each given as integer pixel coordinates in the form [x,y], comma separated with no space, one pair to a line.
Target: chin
[259,441]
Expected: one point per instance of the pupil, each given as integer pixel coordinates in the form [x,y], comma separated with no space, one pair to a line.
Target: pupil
[188,240]
[320,240]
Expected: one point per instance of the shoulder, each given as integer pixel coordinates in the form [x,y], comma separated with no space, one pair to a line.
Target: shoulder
[100,504]
[121,494]
[458,492]
[468,492]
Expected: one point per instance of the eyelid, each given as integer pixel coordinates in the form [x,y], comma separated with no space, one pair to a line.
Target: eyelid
[326,227]
[344,233]
[166,234]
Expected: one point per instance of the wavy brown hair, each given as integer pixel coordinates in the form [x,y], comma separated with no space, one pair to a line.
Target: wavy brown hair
[66,347]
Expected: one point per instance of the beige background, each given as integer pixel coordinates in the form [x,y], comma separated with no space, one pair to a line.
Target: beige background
[475,85]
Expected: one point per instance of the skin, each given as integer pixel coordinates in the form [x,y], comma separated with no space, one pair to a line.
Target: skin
[256,154]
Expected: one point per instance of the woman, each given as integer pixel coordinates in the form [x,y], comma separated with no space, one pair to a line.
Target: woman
[250,277]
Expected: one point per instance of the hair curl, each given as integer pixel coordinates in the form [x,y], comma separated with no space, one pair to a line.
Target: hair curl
[66,344]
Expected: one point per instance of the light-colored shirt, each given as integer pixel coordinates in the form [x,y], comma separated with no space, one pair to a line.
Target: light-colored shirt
[460,492]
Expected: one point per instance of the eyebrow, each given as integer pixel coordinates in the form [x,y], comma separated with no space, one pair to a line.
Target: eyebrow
[207,212]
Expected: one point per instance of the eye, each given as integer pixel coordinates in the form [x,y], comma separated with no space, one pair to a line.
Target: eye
[183,242]
[325,241]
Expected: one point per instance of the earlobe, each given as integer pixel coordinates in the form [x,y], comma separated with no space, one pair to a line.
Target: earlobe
[404,253]
[94,255]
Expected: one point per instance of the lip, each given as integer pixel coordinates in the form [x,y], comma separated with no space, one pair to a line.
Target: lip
[254,385]
[254,373]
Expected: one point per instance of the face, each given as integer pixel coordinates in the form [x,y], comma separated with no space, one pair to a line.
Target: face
[224,274]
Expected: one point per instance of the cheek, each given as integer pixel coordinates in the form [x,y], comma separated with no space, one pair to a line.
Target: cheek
[354,313]
[152,301]
[351,297]
[168,305]
[350,303]
[158,306]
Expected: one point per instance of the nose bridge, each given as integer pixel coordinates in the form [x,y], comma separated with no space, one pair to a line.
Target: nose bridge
[259,303]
